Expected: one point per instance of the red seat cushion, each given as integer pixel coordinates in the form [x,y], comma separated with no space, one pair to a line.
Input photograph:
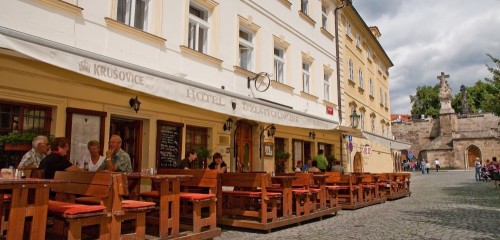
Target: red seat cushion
[300,191]
[73,208]
[252,194]
[195,196]
[7,197]
[332,187]
[129,204]
[315,190]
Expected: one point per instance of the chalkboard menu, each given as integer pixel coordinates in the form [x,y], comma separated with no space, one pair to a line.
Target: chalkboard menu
[168,144]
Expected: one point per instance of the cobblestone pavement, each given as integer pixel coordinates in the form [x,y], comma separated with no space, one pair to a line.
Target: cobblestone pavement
[444,205]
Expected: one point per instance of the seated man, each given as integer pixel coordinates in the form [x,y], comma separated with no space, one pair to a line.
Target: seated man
[338,168]
[117,160]
[56,160]
[39,151]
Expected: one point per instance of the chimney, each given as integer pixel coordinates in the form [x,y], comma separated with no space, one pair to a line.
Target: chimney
[375,32]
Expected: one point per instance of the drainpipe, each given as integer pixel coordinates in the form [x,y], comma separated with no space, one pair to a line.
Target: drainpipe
[344,3]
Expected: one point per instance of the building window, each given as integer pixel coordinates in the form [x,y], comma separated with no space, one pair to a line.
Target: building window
[134,13]
[326,85]
[18,118]
[362,120]
[360,73]
[369,52]
[348,29]
[351,70]
[304,6]
[198,28]
[358,40]
[246,49]
[371,87]
[385,97]
[279,64]
[306,75]
[373,125]
[324,17]
[382,128]
[381,97]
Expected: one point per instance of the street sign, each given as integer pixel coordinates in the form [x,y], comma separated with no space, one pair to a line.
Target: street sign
[350,146]
[350,138]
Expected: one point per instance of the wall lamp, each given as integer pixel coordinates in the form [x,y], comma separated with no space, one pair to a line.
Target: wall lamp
[354,119]
[270,133]
[228,125]
[135,104]
[312,135]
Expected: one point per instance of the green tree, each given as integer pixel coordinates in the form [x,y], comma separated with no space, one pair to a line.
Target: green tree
[492,99]
[476,98]
[425,101]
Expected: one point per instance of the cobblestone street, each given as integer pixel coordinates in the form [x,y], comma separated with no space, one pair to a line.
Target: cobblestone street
[444,205]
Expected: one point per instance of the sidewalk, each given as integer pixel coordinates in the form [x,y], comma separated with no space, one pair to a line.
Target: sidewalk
[443,205]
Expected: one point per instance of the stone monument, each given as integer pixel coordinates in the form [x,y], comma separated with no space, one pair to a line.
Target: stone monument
[445,94]
[465,106]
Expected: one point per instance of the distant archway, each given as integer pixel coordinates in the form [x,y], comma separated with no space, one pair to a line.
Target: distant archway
[471,154]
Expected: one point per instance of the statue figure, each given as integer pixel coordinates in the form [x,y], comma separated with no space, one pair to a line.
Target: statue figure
[445,94]
[465,107]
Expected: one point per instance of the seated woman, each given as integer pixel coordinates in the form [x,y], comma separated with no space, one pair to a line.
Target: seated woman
[56,160]
[314,167]
[218,163]
[298,168]
[94,160]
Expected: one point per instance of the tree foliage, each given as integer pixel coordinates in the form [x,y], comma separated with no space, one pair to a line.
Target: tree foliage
[484,96]
[425,101]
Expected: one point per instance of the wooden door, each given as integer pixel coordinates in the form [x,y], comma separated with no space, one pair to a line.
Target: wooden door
[358,164]
[473,152]
[244,146]
[130,131]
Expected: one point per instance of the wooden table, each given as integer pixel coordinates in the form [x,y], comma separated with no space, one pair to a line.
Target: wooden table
[320,180]
[169,189]
[286,185]
[21,208]
[359,181]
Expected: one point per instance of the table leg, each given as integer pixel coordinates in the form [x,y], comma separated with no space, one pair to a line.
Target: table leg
[176,187]
[17,214]
[287,199]
[164,209]
[40,210]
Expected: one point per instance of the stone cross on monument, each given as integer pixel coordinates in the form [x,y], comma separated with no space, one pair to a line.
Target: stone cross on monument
[445,94]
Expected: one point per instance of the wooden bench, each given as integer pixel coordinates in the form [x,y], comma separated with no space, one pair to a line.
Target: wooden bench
[251,200]
[192,198]
[332,186]
[99,202]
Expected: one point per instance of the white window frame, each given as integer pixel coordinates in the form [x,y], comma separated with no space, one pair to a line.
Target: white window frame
[351,70]
[246,62]
[362,120]
[358,40]
[348,29]
[371,87]
[304,6]
[373,125]
[129,18]
[382,129]
[195,25]
[360,74]
[381,97]
[279,64]
[324,16]
[306,77]
[326,86]
[385,94]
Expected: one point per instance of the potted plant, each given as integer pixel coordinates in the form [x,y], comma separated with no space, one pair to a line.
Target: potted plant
[17,141]
[280,159]
[203,154]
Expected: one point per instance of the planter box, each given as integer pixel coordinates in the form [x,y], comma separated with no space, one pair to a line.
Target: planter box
[17,147]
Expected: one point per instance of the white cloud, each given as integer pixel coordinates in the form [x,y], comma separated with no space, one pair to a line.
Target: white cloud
[426,37]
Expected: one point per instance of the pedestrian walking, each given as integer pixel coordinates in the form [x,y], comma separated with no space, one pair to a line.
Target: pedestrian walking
[422,166]
[478,169]
[428,167]
[436,163]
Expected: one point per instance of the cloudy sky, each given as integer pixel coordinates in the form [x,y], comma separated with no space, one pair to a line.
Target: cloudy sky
[426,37]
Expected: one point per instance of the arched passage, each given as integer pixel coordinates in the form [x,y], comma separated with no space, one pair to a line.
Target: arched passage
[472,153]
[358,165]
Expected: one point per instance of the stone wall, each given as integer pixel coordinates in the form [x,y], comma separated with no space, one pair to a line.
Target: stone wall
[419,133]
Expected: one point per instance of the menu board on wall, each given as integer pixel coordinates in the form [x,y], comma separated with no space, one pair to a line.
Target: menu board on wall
[168,144]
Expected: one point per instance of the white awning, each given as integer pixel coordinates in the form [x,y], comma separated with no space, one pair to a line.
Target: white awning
[387,142]
[157,83]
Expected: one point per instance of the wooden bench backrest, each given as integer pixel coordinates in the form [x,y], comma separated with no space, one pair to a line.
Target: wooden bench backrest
[333,177]
[303,180]
[346,179]
[251,180]
[95,184]
[201,178]
[367,178]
